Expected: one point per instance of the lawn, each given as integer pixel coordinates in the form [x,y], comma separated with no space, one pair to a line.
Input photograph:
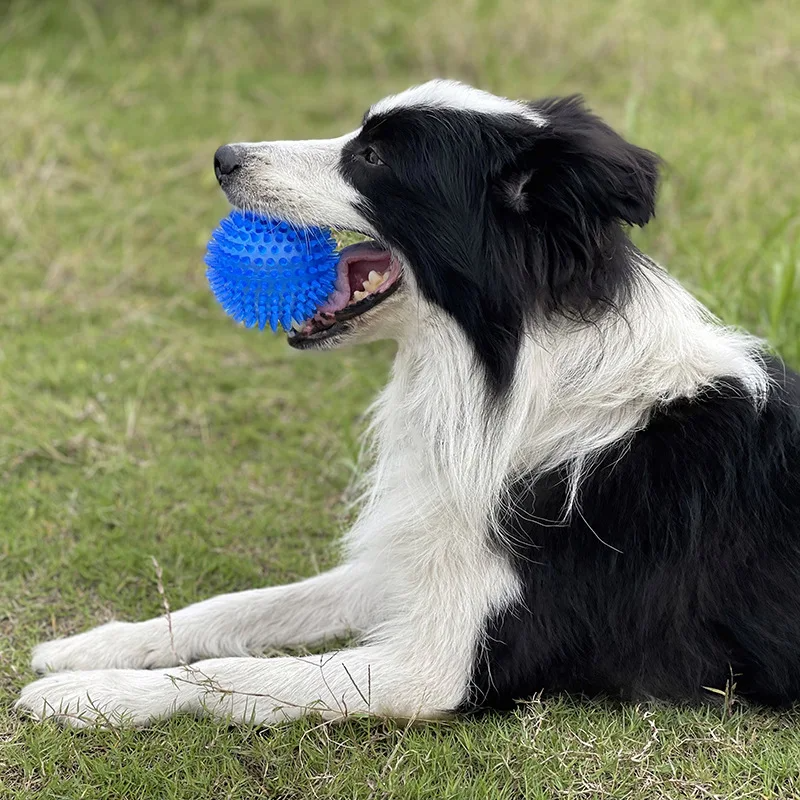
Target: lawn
[136,422]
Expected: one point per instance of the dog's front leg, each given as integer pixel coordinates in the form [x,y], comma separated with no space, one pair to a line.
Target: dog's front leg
[376,679]
[333,604]
[417,664]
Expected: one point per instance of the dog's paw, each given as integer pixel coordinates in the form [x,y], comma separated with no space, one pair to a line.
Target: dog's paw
[103,698]
[116,645]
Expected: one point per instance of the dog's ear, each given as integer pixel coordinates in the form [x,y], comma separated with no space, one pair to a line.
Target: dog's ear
[577,166]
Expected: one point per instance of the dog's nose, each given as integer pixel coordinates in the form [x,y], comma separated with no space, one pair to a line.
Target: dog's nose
[226,160]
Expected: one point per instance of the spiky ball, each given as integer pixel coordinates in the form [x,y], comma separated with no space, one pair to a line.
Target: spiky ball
[267,272]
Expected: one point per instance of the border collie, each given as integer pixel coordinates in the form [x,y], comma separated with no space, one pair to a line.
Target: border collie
[580,481]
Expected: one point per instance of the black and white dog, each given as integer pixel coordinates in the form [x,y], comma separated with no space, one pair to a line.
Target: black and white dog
[580,480]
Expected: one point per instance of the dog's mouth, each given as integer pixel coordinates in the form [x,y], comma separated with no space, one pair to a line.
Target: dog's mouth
[367,274]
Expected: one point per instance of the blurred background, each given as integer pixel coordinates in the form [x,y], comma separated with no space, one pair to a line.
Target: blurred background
[135,419]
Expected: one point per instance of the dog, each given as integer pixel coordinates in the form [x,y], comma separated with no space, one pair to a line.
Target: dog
[580,480]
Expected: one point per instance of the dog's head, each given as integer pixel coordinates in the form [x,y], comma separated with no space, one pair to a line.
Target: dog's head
[497,212]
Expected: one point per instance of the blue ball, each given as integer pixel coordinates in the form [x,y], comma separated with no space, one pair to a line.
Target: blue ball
[266,271]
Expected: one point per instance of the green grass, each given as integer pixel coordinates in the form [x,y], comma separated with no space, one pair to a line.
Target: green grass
[135,421]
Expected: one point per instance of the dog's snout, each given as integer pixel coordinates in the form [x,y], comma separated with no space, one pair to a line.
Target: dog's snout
[227,160]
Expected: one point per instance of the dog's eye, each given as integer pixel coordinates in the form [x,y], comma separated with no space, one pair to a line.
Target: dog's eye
[371,157]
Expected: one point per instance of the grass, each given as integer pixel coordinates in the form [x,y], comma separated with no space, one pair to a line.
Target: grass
[136,422]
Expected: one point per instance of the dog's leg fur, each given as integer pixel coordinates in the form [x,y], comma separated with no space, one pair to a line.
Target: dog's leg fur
[372,679]
[324,607]
[417,660]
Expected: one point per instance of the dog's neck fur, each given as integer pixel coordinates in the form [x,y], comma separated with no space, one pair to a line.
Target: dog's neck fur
[578,388]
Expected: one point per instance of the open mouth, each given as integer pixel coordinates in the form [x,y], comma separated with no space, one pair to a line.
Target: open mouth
[367,275]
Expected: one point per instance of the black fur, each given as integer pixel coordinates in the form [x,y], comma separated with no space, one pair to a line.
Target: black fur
[679,570]
[525,218]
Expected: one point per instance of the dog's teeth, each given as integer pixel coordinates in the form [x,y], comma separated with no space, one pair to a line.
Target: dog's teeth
[374,281]
[297,326]
[370,285]
[376,278]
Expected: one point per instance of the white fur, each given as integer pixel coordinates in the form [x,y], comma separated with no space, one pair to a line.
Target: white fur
[457,96]
[335,604]
[427,607]
[298,181]
[421,577]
